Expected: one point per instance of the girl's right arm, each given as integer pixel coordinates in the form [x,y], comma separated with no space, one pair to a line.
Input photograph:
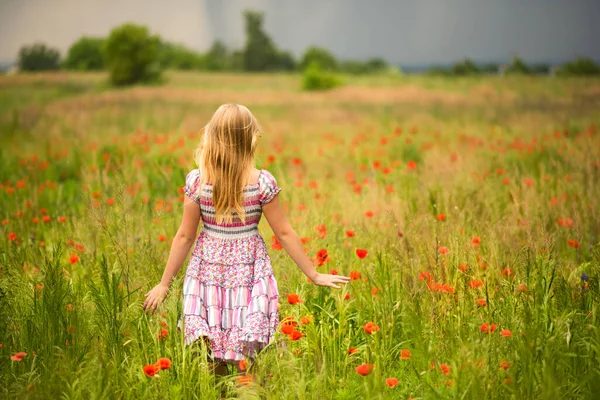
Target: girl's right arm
[291,243]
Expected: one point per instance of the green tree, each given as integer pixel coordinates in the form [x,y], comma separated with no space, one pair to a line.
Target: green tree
[319,55]
[260,53]
[465,67]
[581,66]
[85,54]
[176,56]
[38,57]
[218,58]
[518,66]
[132,55]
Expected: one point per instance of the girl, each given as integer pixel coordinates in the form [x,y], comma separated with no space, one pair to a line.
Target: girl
[229,292]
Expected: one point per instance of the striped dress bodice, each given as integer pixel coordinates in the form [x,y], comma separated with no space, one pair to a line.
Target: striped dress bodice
[255,196]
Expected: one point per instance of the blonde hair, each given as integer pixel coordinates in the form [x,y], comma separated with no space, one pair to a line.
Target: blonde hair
[225,158]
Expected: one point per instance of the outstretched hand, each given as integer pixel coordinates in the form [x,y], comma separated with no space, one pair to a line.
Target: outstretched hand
[331,280]
[155,296]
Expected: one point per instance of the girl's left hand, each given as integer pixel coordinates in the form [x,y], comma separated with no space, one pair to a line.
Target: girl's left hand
[155,296]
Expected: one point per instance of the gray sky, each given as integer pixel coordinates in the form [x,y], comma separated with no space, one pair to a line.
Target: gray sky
[403,32]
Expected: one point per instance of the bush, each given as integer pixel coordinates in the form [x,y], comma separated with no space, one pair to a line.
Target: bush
[315,78]
[132,55]
[466,67]
[38,57]
[322,57]
[583,66]
[518,67]
[176,56]
[85,55]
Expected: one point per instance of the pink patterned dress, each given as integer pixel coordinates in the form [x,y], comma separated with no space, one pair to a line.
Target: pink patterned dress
[229,292]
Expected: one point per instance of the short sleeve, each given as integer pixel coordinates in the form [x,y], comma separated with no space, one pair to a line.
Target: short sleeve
[192,181]
[267,187]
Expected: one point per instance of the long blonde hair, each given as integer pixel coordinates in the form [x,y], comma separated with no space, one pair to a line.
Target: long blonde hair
[225,158]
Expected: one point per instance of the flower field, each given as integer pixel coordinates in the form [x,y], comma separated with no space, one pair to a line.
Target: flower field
[464,210]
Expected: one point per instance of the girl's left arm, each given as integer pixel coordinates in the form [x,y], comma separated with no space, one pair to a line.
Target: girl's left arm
[182,243]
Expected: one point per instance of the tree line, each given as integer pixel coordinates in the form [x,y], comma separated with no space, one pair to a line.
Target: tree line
[132,54]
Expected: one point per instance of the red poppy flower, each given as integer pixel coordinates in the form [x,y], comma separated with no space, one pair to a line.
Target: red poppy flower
[110,201]
[46,219]
[12,236]
[162,238]
[475,241]
[488,328]
[369,214]
[370,327]
[305,320]
[392,382]
[445,369]
[18,356]
[374,291]
[150,369]
[411,165]
[287,329]
[352,350]
[354,275]
[293,298]
[347,296]
[475,283]
[349,234]
[504,364]
[295,335]
[275,245]
[481,302]
[322,257]
[361,253]
[163,333]
[321,231]
[163,363]
[74,258]
[425,275]
[364,369]
[242,365]
[508,272]
[505,333]
[443,250]
[441,217]
[405,354]
[573,243]
[62,219]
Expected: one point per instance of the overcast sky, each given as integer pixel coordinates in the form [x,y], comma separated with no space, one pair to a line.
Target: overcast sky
[402,32]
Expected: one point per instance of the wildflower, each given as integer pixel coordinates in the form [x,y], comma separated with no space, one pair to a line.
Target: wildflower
[307,319]
[352,350]
[163,333]
[392,382]
[74,258]
[504,364]
[445,369]
[354,275]
[411,165]
[322,257]
[508,272]
[162,238]
[46,219]
[475,283]
[276,245]
[364,369]
[295,335]
[565,222]
[370,327]
[374,291]
[369,214]
[443,250]
[347,296]
[62,219]
[505,333]
[18,356]
[163,363]
[487,328]
[293,298]
[573,243]
[481,302]
[441,217]
[584,277]
[333,272]
[361,253]
[463,267]
[400,234]
[321,231]
[522,288]
[425,275]
[150,369]
[350,234]
[12,236]
[475,241]
[242,365]
[405,354]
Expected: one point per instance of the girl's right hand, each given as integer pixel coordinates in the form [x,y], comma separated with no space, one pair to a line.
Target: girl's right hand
[330,280]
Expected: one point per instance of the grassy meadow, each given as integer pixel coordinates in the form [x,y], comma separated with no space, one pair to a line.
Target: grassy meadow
[476,200]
